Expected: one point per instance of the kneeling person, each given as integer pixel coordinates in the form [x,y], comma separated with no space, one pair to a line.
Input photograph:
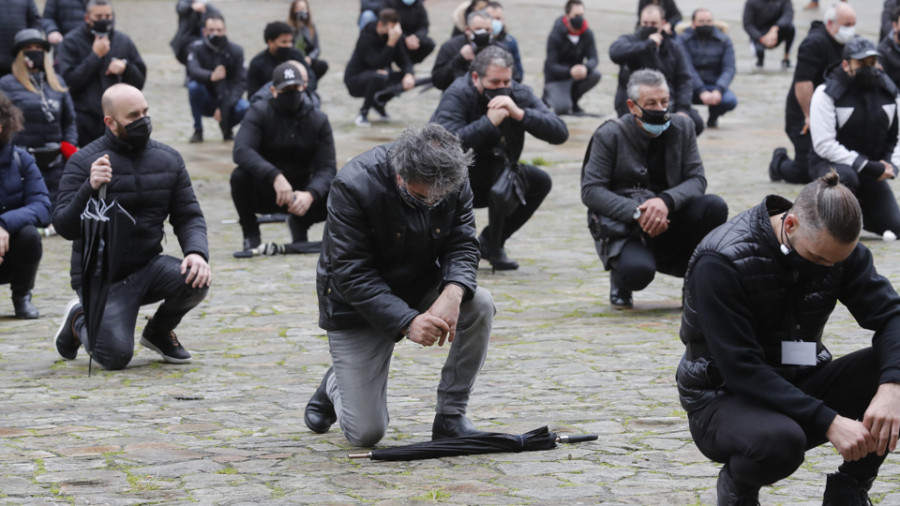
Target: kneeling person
[643,184]
[150,181]
[398,260]
[285,155]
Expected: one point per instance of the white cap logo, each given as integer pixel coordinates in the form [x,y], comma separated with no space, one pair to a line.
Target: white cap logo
[289,74]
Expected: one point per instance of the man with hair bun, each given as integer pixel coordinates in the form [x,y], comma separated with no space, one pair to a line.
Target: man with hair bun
[758,384]
[399,258]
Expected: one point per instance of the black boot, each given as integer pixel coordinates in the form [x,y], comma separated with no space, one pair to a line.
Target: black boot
[496,255]
[844,490]
[730,493]
[25,310]
[619,298]
[319,415]
[445,426]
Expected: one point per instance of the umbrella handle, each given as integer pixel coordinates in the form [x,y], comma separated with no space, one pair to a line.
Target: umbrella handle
[578,438]
[364,455]
[103,191]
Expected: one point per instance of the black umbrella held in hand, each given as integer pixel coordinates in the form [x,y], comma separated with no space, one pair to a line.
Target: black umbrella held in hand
[485,442]
[105,231]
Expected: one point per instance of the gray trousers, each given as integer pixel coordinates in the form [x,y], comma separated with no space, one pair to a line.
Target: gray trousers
[362,357]
[562,96]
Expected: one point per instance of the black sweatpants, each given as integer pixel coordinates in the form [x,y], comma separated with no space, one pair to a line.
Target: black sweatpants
[367,84]
[786,35]
[761,445]
[669,252]
[251,197]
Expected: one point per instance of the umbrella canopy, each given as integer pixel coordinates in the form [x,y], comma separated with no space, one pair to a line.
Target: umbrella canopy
[485,442]
[105,230]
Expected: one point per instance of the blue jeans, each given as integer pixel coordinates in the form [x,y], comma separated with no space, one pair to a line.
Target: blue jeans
[728,103]
[204,104]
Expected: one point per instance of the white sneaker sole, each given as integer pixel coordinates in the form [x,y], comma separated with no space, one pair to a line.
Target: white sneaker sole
[172,360]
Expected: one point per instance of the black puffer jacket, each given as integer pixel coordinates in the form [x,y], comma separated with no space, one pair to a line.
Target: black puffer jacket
[85,72]
[380,256]
[462,111]
[15,15]
[63,16]
[890,57]
[562,55]
[300,146]
[189,26]
[23,194]
[632,52]
[151,184]
[744,298]
[39,128]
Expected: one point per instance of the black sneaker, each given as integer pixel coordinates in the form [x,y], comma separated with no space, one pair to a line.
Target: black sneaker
[197,137]
[786,64]
[712,122]
[166,345]
[251,242]
[778,155]
[65,339]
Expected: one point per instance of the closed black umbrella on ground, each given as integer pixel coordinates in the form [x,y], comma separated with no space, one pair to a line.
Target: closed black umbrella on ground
[485,442]
[105,230]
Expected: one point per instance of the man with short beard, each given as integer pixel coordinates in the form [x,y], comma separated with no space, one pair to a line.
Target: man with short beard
[150,182]
[93,58]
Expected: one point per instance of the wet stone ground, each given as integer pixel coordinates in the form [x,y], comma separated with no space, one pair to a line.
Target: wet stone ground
[228,429]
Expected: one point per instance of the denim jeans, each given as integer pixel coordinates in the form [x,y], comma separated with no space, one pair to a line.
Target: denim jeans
[204,104]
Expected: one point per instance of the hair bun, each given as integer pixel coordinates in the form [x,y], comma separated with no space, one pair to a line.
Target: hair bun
[832,178]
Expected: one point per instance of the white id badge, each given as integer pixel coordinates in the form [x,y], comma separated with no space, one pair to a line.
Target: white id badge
[798,353]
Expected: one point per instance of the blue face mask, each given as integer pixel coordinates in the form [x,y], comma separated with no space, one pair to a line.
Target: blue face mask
[496,27]
[409,2]
[656,130]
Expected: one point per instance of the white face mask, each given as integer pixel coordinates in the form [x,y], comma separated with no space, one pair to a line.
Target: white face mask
[844,34]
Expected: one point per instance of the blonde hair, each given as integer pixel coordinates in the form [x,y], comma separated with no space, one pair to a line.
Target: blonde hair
[20,71]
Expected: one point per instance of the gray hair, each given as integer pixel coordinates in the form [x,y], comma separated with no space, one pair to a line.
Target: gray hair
[491,55]
[478,14]
[645,77]
[431,156]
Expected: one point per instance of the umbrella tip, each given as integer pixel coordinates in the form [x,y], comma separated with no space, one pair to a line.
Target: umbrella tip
[363,455]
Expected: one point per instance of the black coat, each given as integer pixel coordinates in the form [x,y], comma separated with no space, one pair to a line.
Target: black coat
[890,58]
[673,14]
[816,54]
[743,299]
[85,72]
[761,15]
[562,55]
[40,130]
[63,16]
[413,18]
[203,59]
[449,64]
[380,255]
[23,194]
[189,28]
[632,53]
[373,53]
[462,111]
[15,15]
[300,146]
[152,184]
[263,65]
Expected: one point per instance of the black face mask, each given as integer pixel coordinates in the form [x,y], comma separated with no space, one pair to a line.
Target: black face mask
[797,263]
[481,38]
[705,31]
[289,101]
[302,16]
[576,22]
[490,94]
[102,27]
[653,117]
[867,78]
[218,41]
[36,57]
[646,31]
[137,133]
[284,53]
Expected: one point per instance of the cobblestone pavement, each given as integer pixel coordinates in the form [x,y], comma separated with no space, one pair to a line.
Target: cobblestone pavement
[227,428]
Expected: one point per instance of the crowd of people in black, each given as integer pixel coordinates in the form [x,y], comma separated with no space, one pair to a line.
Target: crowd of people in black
[400,248]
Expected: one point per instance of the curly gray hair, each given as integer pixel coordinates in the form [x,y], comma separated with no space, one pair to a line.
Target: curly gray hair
[433,156]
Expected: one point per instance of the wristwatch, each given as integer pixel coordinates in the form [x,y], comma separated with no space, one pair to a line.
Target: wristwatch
[406,331]
[637,213]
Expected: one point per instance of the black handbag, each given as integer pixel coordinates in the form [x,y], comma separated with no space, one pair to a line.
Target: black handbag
[508,191]
[603,227]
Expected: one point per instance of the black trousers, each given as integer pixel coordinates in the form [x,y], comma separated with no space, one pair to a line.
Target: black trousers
[669,252]
[20,264]
[876,199]
[563,96]
[161,279]
[796,171]
[539,184]
[426,46]
[367,84]
[319,68]
[786,35]
[762,445]
[251,196]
